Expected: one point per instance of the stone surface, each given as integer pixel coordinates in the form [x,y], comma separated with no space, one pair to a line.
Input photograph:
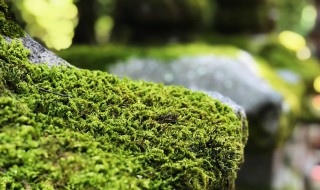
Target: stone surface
[39,54]
[236,78]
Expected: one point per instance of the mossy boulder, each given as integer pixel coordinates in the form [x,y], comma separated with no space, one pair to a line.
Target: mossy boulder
[63,127]
[198,66]
[150,57]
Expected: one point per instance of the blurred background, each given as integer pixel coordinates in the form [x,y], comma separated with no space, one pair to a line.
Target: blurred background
[278,42]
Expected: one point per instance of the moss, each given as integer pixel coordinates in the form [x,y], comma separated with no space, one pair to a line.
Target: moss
[7,22]
[66,128]
[100,57]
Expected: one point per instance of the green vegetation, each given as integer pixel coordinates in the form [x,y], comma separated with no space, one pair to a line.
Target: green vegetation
[66,128]
[8,26]
[282,58]
[99,57]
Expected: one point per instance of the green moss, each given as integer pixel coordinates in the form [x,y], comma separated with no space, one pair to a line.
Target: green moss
[66,128]
[100,57]
[7,22]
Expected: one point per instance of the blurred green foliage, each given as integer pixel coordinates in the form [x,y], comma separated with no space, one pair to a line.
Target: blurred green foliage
[99,57]
[295,15]
[52,21]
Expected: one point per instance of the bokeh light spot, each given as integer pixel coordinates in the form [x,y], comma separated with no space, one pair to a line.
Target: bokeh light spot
[292,40]
[304,54]
[316,84]
[316,102]
[52,21]
[103,28]
[308,17]
[315,173]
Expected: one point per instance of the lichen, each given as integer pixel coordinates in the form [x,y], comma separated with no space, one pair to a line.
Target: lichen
[67,128]
[8,26]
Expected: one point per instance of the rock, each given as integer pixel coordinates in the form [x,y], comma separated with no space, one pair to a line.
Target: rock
[235,78]
[39,54]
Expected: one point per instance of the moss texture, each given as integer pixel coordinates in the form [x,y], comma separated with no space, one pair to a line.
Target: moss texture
[66,128]
[8,27]
[102,57]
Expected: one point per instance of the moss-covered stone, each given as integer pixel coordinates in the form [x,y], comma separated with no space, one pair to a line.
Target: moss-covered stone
[7,25]
[63,127]
[102,57]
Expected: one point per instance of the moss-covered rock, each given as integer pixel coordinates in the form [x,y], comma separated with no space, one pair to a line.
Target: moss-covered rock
[105,57]
[63,127]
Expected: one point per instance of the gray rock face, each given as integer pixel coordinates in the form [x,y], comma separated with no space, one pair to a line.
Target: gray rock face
[39,54]
[235,78]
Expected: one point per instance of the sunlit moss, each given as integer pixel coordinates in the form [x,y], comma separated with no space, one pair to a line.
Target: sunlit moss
[66,128]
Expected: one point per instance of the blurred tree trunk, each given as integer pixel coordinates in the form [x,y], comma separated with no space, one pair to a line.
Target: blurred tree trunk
[85,31]
[243,16]
[315,33]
